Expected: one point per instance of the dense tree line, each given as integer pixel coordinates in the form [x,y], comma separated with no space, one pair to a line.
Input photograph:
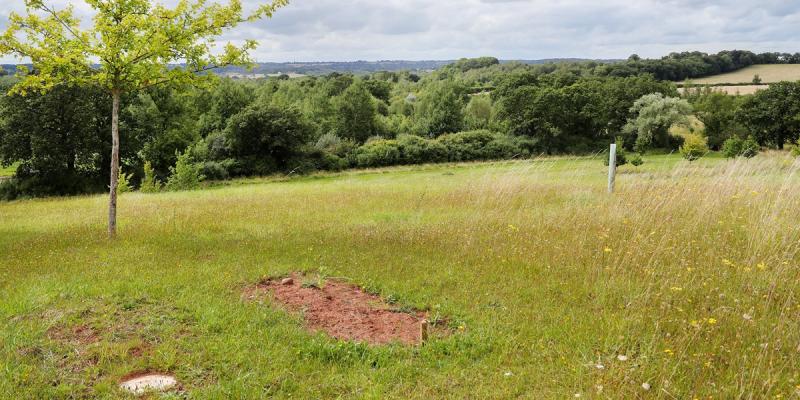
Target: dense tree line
[471,110]
[688,65]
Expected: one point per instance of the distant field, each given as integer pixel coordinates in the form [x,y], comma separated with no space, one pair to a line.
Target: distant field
[768,74]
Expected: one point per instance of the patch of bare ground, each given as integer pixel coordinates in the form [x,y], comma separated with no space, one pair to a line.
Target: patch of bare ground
[345,311]
[80,337]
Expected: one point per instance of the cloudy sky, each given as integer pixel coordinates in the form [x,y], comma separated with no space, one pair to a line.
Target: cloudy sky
[344,30]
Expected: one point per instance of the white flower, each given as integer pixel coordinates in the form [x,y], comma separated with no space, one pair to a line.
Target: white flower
[507,374]
[600,366]
[747,317]
[646,386]
[622,357]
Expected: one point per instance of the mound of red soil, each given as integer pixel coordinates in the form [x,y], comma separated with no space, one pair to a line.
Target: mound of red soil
[344,311]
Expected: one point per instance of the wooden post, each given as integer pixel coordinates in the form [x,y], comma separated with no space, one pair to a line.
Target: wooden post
[612,167]
[423,331]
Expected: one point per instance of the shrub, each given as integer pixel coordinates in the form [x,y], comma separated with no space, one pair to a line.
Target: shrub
[694,147]
[378,153]
[508,147]
[185,175]
[149,183]
[737,147]
[636,160]
[795,150]
[328,141]
[219,170]
[622,157]
[467,146]
[124,182]
[417,150]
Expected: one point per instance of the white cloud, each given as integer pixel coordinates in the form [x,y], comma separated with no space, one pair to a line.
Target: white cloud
[335,30]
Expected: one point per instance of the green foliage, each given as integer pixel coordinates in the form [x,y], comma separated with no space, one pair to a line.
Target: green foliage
[757,80]
[417,150]
[378,153]
[622,157]
[455,147]
[484,145]
[133,40]
[738,147]
[694,147]
[265,138]
[440,109]
[355,113]
[636,160]
[570,114]
[717,111]
[771,115]
[478,112]
[654,115]
[59,138]
[149,182]
[795,151]
[124,182]
[185,175]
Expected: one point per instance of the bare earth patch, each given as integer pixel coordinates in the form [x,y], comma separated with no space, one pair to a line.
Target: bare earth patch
[343,311]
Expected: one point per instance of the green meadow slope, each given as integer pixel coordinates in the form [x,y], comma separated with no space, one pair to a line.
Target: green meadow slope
[683,284]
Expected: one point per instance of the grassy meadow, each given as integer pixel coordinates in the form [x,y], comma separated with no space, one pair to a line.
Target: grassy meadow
[769,73]
[6,172]
[684,284]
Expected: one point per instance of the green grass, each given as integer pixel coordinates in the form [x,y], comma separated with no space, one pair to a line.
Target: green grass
[689,270]
[770,73]
[7,171]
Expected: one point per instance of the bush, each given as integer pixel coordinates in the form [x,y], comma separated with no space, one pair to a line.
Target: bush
[219,170]
[636,160]
[737,147]
[463,146]
[795,151]
[185,175]
[124,182]
[149,183]
[622,157]
[694,147]
[467,146]
[417,150]
[378,153]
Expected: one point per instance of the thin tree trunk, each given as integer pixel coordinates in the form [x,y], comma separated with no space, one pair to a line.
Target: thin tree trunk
[112,197]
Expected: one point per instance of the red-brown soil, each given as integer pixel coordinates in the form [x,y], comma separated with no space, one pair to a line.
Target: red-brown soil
[343,311]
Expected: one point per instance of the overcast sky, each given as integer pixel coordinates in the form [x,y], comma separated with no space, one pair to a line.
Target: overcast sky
[346,30]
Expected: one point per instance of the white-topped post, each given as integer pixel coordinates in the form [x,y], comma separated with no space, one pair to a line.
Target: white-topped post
[612,167]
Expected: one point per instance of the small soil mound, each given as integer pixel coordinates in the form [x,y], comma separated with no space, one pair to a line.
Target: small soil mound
[343,311]
[144,382]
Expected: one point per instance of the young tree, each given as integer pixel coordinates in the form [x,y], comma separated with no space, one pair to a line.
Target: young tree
[131,45]
[355,114]
[655,114]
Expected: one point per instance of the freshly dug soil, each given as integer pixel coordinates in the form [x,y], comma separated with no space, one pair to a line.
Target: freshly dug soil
[343,311]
